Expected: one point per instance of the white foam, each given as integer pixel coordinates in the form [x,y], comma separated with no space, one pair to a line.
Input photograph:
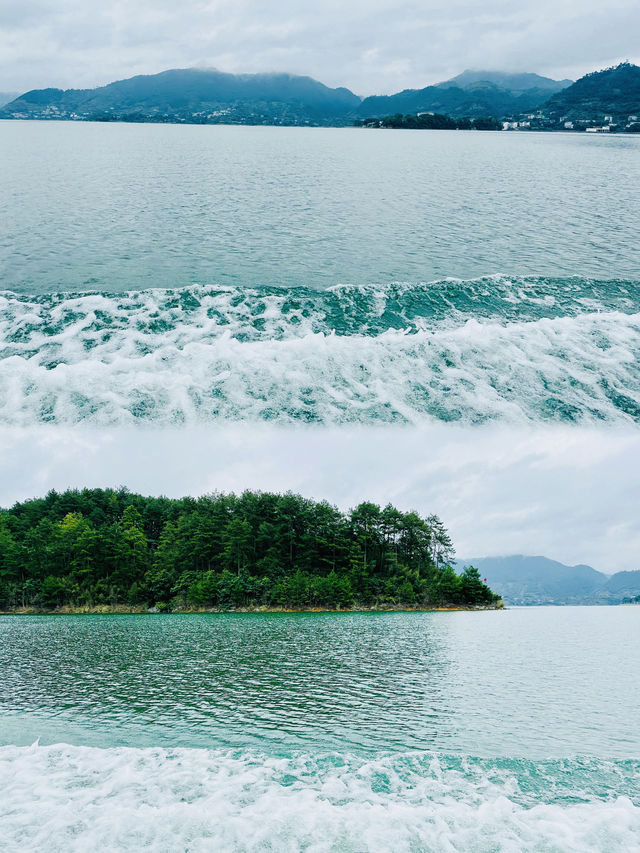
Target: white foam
[65,798]
[583,368]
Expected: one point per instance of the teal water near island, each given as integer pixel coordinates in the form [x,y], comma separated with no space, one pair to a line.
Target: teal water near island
[482,731]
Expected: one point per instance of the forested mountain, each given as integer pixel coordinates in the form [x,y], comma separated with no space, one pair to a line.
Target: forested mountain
[196,96]
[471,94]
[517,84]
[614,91]
[211,96]
[94,547]
[538,580]
[481,100]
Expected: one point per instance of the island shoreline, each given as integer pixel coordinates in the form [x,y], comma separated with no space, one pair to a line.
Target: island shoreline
[124,610]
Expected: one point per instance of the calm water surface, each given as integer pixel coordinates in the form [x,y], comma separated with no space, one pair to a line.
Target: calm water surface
[116,207]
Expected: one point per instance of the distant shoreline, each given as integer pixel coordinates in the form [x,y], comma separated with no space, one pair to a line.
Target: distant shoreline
[303,126]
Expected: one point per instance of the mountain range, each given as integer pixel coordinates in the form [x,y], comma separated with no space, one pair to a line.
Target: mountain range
[515,83]
[539,580]
[214,97]
[470,94]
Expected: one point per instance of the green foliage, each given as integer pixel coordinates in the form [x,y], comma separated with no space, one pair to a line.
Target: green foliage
[96,547]
[472,588]
[486,123]
[447,586]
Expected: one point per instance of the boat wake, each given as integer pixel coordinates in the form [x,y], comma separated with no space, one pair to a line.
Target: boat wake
[489,350]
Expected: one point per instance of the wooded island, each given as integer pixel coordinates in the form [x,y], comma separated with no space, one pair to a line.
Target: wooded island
[111,547]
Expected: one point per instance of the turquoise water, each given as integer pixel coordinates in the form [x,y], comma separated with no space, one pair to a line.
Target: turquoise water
[510,730]
[534,683]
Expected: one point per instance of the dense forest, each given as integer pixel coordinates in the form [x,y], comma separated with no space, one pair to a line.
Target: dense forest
[431,121]
[110,547]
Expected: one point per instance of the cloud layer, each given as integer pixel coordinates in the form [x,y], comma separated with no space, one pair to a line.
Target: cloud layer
[371,47]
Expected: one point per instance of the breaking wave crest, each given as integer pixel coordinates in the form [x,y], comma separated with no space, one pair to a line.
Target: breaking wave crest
[80,798]
[492,349]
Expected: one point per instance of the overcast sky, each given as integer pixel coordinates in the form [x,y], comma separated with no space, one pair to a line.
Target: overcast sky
[566,493]
[371,46]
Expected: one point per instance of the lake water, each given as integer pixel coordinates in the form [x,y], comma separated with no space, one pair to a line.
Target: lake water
[328,276]
[502,731]
[117,207]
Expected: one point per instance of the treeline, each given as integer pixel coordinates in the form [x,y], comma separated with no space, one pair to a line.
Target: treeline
[431,121]
[103,546]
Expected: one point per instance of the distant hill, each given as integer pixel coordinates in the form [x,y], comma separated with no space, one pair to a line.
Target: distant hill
[614,91]
[626,584]
[539,580]
[196,96]
[517,84]
[483,99]
[471,94]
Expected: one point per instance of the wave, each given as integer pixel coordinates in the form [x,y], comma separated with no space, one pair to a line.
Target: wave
[271,313]
[492,349]
[80,798]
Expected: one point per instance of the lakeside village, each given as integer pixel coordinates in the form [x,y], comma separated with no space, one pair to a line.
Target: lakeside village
[540,120]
